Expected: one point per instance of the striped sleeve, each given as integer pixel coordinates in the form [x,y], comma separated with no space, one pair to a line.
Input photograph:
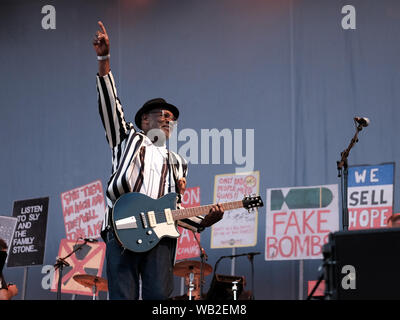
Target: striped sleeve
[111,111]
[192,223]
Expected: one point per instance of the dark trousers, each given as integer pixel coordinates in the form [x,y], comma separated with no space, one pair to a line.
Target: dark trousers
[155,268]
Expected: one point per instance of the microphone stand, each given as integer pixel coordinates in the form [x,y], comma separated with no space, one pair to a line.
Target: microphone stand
[343,173]
[251,258]
[203,257]
[60,263]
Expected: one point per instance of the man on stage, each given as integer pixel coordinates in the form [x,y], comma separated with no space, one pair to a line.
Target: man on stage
[140,163]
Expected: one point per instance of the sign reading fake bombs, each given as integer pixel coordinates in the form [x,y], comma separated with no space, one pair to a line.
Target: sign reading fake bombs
[299,221]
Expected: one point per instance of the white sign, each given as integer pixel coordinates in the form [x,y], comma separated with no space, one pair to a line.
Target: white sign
[299,221]
[238,228]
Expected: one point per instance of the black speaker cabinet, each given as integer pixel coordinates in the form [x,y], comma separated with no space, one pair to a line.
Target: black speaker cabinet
[362,264]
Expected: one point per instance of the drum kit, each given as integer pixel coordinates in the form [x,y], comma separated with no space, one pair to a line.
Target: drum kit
[190,270]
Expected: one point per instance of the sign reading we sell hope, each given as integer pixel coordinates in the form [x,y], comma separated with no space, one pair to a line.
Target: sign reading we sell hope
[238,228]
[83,211]
[299,221]
[187,244]
[370,195]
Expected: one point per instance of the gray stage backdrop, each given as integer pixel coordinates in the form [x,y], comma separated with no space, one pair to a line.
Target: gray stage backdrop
[287,69]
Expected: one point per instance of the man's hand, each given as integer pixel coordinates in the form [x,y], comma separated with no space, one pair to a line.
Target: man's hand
[181,185]
[216,213]
[101,43]
[8,294]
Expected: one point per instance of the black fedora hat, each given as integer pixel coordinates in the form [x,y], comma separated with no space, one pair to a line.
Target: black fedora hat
[157,103]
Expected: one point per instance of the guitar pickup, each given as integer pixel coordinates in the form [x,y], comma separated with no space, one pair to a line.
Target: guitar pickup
[152,218]
[144,221]
[168,216]
[126,223]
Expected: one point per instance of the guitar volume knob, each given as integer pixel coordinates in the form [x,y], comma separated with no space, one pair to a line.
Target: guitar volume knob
[139,241]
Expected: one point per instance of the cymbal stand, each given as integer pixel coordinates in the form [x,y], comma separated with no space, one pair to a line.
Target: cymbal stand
[94,289]
[234,289]
[191,285]
[203,258]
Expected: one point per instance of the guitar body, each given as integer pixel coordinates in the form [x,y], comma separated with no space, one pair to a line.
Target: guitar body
[140,222]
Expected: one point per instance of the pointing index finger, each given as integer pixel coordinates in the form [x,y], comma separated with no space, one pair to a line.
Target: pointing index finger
[102,27]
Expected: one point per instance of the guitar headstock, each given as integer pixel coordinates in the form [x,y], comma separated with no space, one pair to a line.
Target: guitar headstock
[251,202]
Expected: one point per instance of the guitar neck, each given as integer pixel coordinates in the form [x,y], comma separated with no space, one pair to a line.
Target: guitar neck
[202,210]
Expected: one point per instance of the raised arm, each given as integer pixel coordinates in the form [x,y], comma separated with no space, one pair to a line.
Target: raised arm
[101,45]
[110,108]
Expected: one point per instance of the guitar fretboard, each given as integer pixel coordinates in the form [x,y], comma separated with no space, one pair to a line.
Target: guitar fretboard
[198,211]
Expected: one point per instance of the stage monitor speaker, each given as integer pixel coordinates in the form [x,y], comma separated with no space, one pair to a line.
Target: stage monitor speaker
[221,287]
[362,264]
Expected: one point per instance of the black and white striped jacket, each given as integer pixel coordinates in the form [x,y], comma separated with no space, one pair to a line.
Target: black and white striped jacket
[128,147]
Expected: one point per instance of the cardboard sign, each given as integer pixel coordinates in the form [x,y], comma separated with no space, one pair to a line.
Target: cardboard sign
[28,244]
[370,196]
[83,211]
[87,260]
[238,228]
[187,244]
[299,221]
[320,291]
[7,229]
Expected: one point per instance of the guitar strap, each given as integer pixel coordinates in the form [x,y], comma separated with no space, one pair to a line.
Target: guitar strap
[179,200]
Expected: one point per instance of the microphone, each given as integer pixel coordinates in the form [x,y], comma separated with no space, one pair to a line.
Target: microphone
[364,122]
[89,240]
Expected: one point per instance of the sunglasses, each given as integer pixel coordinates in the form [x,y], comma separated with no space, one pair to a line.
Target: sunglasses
[164,115]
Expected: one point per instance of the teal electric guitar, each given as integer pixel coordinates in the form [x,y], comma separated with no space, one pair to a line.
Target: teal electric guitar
[140,222]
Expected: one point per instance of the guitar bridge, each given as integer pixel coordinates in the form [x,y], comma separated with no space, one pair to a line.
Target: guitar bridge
[126,223]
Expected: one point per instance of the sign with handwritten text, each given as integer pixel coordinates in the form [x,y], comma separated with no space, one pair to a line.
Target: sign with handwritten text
[187,244]
[83,211]
[370,195]
[238,228]
[299,220]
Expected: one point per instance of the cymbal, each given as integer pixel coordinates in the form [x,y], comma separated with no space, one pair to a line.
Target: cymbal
[89,281]
[184,268]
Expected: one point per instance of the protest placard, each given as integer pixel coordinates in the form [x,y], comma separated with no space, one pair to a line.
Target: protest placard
[187,244]
[88,260]
[83,211]
[370,195]
[299,220]
[238,228]
[28,244]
